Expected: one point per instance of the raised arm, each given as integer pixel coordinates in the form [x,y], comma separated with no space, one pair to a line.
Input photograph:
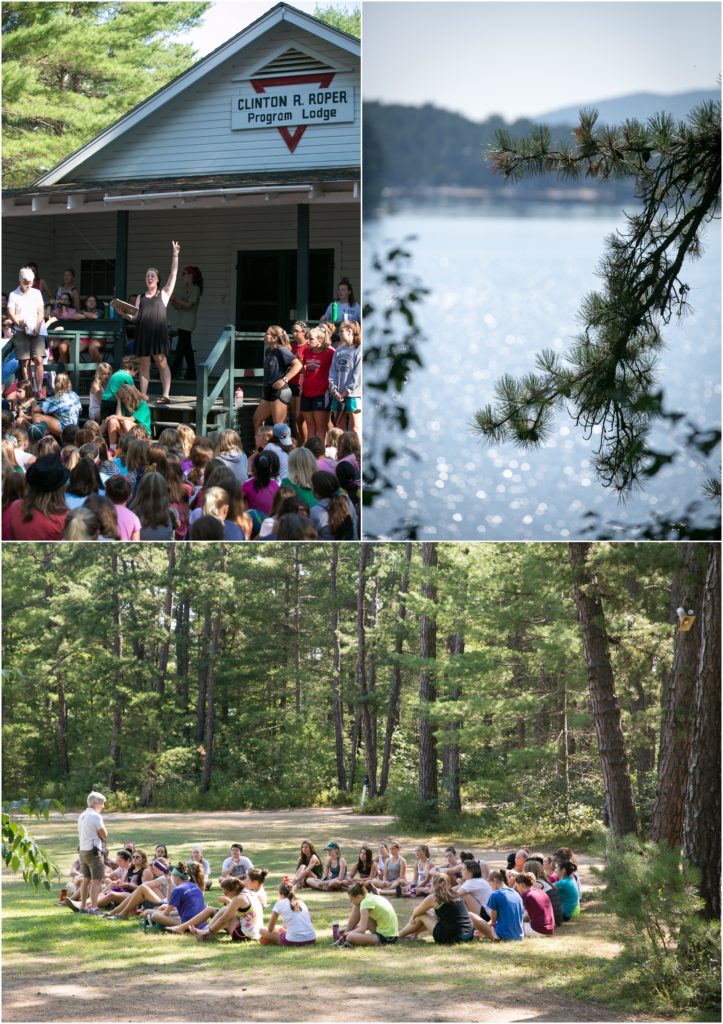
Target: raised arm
[171,282]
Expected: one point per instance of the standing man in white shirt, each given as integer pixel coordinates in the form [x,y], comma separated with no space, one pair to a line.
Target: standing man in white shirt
[27,312]
[91,833]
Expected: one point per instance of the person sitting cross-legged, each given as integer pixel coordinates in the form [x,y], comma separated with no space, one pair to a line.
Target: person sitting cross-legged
[186,898]
[298,929]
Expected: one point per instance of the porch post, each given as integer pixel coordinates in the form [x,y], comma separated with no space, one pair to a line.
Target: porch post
[302,261]
[121,276]
[121,254]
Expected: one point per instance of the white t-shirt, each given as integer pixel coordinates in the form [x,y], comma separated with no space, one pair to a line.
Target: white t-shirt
[297,922]
[244,863]
[25,307]
[22,457]
[88,824]
[477,887]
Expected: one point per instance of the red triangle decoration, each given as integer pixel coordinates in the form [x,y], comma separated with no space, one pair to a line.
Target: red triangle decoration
[292,138]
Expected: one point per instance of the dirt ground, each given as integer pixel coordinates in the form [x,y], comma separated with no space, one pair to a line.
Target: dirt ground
[342,986]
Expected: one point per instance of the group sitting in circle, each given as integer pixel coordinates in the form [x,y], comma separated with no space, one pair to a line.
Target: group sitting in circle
[459,898]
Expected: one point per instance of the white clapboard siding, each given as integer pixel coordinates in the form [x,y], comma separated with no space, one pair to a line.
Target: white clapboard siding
[192,133]
[210,239]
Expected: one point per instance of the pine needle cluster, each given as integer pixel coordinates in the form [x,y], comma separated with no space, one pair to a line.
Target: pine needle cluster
[607,378]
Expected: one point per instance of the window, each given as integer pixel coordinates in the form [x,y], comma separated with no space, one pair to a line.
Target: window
[97,277]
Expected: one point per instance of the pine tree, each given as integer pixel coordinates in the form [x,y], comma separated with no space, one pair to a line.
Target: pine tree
[607,380]
[70,69]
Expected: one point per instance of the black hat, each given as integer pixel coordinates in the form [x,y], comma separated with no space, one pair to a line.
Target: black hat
[47,474]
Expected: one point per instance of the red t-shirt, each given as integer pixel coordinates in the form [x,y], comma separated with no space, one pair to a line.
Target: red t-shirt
[298,351]
[317,363]
[539,910]
[39,527]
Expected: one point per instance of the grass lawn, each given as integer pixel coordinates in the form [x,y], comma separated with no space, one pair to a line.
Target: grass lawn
[59,966]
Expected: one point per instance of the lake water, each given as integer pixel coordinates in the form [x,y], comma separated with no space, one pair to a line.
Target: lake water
[503,288]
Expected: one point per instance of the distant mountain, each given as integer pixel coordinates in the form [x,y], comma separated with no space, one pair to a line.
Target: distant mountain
[640,105]
[423,152]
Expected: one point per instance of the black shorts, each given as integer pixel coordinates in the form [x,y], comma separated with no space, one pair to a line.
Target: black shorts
[238,936]
[387,940]
[278,394]
[317,403]
[108,407]
[295,390]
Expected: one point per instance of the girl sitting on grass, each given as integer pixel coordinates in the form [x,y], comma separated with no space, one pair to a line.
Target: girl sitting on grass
[298,928]
[421,884]
[474,889]
[364,870]
[242,916]
[506,912]
[307,866]
[373,920]
[150,894]
[394,876]
[186,898]
[442,913]
[568,890]
[335,871]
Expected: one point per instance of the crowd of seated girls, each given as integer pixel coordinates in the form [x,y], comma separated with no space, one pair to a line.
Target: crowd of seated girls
[79,483]
[457,898]
[77,488]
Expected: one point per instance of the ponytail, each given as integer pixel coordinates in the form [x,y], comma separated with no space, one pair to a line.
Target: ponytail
[287,892]
[266,466]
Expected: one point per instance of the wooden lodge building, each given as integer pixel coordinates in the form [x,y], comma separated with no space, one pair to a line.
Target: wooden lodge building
[250,159]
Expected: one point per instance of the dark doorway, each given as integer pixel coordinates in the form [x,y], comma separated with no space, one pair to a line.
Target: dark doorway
[266,293]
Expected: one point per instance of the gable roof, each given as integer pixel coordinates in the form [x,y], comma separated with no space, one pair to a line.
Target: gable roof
[282,13]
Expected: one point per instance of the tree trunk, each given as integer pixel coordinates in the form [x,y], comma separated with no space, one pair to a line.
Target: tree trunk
[394,696]
[210,734]
[336,706]
[355,740]
[117,719]
[183,627]
[427,690]
[677,701]
[450,750]
[167,615]
[366,555]
[61,721]
[297,633]
[203,673]
[603,699]
[564,745]
[701,832]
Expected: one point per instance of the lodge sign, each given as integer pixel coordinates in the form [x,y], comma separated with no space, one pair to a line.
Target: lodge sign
[290,105]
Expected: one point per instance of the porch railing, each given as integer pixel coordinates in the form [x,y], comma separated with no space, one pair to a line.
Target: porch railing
[111,332]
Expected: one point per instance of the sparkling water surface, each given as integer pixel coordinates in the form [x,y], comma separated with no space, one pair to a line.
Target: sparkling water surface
[502,289]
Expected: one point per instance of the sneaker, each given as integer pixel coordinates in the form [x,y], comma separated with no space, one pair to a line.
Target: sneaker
[344,945]
[95,911]
[398,891]
[71,906]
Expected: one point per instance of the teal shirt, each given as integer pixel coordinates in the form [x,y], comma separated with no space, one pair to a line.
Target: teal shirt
[117,380]
[568,895]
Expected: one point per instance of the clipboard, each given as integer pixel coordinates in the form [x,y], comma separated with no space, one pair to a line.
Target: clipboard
[124,308]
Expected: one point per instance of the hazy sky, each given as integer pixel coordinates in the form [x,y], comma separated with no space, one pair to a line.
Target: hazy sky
[227,17]
[519,59]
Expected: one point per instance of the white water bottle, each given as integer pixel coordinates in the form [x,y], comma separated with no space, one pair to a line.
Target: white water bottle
[238,397]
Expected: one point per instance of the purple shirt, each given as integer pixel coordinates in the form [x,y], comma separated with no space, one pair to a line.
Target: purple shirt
[262,499]
[128,522]
[188,899]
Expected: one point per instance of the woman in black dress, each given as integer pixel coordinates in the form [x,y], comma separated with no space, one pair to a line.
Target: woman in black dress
[152,327]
